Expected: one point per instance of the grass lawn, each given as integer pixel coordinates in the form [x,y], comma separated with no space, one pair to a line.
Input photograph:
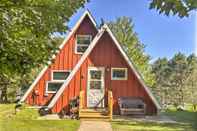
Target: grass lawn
[25,120]
[187,122]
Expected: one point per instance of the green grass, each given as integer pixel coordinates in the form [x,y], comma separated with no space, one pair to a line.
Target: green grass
[188,117]
[187,121]
[148,126]
[26,120]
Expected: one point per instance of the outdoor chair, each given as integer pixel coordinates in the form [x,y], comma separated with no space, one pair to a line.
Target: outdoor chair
[131,106]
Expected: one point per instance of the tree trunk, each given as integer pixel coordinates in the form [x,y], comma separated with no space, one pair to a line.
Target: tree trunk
[4,97]
[194,107]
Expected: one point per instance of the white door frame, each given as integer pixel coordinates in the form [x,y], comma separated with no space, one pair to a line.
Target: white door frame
[102,84]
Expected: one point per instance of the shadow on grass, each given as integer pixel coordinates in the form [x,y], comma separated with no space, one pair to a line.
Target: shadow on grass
[187,117]
[149,126]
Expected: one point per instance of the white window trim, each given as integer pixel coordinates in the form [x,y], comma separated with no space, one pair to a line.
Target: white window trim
[52,71]
[76,45]
[47,91]
[126,75]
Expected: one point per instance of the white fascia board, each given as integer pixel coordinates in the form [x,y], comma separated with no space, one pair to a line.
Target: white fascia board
[132,67]
[88,51]
[86,13]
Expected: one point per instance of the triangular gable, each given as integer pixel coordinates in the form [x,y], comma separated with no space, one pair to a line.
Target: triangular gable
[86,13]
[85,55]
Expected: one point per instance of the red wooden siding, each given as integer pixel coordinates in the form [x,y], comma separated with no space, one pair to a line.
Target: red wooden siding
[105,54]
[65,60]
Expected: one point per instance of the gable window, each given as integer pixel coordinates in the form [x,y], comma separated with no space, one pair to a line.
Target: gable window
[53,86]
[60,75]
[82,43]
[119,73]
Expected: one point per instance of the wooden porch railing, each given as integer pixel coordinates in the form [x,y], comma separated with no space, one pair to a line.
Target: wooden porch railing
[110,104]
[81,99]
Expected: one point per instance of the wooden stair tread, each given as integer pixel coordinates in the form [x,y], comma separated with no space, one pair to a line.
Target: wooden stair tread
[93,110]
[94,114]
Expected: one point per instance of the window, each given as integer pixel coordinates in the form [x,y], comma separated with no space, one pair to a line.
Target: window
[96,78]
[60,75]
[53,87]
[119,73]
[82,43]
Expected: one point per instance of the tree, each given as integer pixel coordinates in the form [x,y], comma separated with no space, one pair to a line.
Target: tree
[191,81]
[124,32]
[175,7]
[26,27]
[178,66]
[161,88]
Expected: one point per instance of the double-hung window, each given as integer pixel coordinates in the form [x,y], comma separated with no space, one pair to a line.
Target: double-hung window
[82,43]
[57,79]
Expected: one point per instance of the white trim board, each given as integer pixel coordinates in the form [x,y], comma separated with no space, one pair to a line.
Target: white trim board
[88,51]
[86,13]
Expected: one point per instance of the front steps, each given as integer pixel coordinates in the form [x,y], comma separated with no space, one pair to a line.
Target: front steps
[94,114]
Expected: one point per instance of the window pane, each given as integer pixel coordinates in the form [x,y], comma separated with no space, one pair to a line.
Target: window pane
[95,75]
[85,40]
[119,73]
[60,75]
[95,84]
[81,48]
[54,86]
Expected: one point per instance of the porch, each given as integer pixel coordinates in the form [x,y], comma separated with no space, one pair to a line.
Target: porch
[96,113]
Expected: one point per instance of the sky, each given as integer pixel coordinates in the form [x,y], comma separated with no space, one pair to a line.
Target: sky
[163,36]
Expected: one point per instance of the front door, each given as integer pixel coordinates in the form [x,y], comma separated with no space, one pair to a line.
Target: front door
[95,87]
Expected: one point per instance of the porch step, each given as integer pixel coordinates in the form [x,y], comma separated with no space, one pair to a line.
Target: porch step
[94,114]
[94,111]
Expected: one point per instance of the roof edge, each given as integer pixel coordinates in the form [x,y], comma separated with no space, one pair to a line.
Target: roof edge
[86,13]
[129,61]
[88,51]
[76,68]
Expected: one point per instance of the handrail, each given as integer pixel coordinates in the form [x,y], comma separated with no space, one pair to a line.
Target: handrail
[81,99]
[110,104]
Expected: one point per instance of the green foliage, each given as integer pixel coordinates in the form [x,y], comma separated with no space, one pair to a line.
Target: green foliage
[161,70]
[191,81]
[123,29]
[175,7]
[26,29]
[176,80]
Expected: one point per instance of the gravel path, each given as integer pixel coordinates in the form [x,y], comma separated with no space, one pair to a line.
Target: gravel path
[95,126]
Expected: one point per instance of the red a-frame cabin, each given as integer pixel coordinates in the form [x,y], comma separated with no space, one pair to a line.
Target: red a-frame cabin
[90,60]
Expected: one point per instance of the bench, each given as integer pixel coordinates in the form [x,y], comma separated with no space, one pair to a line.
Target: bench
[131,106]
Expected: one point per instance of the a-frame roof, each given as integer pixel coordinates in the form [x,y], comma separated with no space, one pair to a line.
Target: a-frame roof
[86,13]
[85,55]
[82,59]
